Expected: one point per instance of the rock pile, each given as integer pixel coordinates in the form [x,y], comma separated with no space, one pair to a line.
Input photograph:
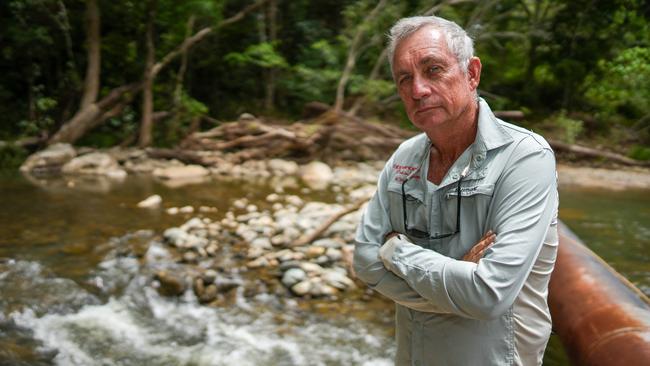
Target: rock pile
[263,241]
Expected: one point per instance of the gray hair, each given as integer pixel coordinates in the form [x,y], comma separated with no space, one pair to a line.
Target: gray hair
[458,42]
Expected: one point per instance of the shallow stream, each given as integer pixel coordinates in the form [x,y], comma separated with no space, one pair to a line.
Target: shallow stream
[69,295]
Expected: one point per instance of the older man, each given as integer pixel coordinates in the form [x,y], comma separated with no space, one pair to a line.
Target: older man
[462,232]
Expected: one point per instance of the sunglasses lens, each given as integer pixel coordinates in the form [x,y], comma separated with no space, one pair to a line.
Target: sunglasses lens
[417,233]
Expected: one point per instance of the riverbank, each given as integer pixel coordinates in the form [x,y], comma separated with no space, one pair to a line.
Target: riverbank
[618,178]
[197,261]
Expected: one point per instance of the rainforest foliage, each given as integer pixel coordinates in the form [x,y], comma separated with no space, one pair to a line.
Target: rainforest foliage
[148,72]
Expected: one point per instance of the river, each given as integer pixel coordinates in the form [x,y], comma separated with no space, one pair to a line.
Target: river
[69,294]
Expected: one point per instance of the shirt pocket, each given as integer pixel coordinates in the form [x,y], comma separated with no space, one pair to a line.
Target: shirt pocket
[416,210]
[471,190]
[474,208]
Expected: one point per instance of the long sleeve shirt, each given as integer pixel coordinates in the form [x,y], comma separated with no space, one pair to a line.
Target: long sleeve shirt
[452,312]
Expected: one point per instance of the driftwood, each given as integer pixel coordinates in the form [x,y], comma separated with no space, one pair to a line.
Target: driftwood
[593,153]
[329,137]
[306,239]
[185,156]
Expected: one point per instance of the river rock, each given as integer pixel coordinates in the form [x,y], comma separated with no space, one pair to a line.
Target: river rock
[317,175]
[261,242]
[294,200]
[190,257]
[337,279]
[182,239]
[314,251]
[227,284]
[302,288]
[312,269]
[293,276]
[95,163]
[177,176]
[273,197]
[333,255]
[151,202]
[278,240]
[49,160]
[170,284]
[283,167]
[194,223]
[318,288]
[209,276]
[259,262]
[186,209]
[209,294]
[328,243]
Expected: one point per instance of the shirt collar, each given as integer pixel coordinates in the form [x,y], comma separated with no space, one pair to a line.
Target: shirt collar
[490,133]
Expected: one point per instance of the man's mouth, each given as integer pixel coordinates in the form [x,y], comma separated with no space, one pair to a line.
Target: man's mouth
[424,109]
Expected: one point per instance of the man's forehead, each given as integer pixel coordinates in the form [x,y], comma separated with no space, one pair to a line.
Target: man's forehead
[426,43]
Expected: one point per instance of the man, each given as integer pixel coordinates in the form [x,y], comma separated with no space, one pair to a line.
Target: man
[462,232]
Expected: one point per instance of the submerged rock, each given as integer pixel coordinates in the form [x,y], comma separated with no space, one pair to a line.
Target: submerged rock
[170,284]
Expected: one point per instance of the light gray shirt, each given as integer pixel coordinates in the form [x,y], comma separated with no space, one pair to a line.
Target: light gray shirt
[452,312]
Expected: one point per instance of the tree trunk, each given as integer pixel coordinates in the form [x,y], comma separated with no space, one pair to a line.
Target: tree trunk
[93,43]
[381,60]
[352,57]
[146,122]
[94,114]
[178,89]
[269,74]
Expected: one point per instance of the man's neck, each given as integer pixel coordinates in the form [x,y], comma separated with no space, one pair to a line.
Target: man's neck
[450,141]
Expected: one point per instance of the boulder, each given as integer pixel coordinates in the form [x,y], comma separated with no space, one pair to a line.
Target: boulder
[283,167]
[317,175]
[176,176]
[95,163]
[49,160]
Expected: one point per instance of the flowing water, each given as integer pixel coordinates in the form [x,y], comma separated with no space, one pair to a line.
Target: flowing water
[71,295]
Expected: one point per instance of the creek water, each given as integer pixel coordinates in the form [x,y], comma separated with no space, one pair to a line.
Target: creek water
[70,295]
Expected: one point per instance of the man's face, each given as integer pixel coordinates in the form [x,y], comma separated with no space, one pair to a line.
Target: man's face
[435,90]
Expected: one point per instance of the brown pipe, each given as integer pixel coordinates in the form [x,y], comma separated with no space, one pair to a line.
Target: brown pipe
[600,317]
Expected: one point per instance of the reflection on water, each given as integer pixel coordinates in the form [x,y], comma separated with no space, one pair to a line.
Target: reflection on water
[75,290]
[615,225]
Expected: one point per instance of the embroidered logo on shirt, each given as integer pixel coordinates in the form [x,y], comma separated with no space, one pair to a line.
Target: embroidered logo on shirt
[403,171]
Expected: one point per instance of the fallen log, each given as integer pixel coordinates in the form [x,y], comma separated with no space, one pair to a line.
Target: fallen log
[593,153]
[328,137]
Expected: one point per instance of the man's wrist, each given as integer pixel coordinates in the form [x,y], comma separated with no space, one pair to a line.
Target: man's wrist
[387,250]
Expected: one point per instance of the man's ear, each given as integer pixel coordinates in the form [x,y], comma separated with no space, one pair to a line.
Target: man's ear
[474,72]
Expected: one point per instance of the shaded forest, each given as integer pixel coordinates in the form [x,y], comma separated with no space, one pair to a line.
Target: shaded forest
[149,73]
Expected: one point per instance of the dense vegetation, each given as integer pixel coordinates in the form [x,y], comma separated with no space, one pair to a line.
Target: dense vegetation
[578,69]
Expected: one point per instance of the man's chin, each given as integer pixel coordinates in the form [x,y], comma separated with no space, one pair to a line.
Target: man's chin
[424,123]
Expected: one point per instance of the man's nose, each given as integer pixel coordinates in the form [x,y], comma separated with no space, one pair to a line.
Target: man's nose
[420,88]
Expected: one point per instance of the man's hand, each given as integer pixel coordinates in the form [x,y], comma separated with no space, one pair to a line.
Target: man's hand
[386,250]
[478,250]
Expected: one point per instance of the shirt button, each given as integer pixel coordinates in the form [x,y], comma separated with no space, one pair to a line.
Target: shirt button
[479,158]
[455,176]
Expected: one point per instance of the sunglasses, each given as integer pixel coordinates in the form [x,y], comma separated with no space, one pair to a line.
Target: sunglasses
[425,235]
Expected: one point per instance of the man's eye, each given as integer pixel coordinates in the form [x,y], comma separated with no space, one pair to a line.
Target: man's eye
[404,79]
[433,69]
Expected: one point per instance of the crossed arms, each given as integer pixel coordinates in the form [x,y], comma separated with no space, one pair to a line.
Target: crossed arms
[524,205]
